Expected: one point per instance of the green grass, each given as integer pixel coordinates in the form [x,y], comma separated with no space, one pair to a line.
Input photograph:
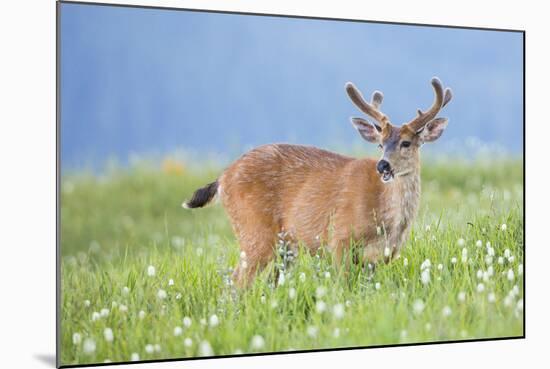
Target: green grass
[114,226]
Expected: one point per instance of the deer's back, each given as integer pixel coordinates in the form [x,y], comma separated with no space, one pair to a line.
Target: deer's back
[297,189]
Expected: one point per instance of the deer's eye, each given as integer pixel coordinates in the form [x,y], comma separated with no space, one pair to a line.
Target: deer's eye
[405,143]
[380,146]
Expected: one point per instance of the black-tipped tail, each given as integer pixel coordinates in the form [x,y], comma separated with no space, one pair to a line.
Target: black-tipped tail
[202,196]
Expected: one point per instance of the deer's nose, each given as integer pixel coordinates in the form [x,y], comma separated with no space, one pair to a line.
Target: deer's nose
[383,166]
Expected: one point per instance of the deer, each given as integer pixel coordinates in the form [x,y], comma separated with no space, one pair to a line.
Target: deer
[317,197]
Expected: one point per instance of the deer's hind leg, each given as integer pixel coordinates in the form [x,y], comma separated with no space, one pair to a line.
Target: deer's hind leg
[257,244]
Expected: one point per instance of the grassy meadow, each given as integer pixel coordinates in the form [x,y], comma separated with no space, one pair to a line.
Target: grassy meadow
[144,279]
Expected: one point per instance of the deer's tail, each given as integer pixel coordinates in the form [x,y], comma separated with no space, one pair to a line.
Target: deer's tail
[202,197]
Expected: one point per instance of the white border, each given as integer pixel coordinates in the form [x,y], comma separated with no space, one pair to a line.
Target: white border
[27,164]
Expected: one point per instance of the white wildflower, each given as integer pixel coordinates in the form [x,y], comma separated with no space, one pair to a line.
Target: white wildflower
[108,334]
[336,332]
[170,282]
[178,331]
[503,227]
[205,349]
[87,303]
[460,242]
[446,311]
[491,297]
[187,322]
[480,287]
[519,305]
[125,290]
[122,308]
[281,280]
[338,311]
[151,271]
[312,331]
[188,342]
[462,296]
[327,275]
[348,303]
[508,300]
[520,269]
[439,266]
[141,314]
[292,293]
[157,347]
[104,312]
[257,342]
[178,296]
[428,228]
[161,294]
[418,306]
[425,276]
[214,320]
[77,338]
[479,274]
[464,255]
[511,259]
[479,243]
[510,275]
[488,260]
[507,253]
[453,260]
[88,346]
[320,306]
[302,277]
[320,292]
[405,261]
[377,285]
[134,356]
[425,264]
[500,260]
[490,251]
[149,348]
[95,316]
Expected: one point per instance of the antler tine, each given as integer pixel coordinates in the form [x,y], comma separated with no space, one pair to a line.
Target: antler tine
[369,109]
[441,99]
[376,99]
[448,97]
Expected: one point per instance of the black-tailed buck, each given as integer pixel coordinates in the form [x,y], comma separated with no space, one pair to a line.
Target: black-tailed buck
[317,196]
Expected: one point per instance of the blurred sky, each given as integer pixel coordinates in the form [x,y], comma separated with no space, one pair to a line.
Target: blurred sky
[152,81]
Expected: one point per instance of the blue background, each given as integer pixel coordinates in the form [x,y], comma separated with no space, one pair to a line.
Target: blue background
[152,81]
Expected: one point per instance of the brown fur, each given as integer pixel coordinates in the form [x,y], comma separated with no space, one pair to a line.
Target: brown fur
[314,196]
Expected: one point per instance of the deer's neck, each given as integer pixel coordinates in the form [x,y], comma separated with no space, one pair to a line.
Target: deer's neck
[407,191]
[402,198]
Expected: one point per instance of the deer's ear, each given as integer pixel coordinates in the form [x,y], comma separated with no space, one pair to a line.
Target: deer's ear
[433,130]
[368,131]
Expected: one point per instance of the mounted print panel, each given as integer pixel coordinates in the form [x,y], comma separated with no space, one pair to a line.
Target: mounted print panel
[234,184]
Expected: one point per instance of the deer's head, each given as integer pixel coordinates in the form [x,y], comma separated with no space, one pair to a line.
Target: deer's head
[399,145]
